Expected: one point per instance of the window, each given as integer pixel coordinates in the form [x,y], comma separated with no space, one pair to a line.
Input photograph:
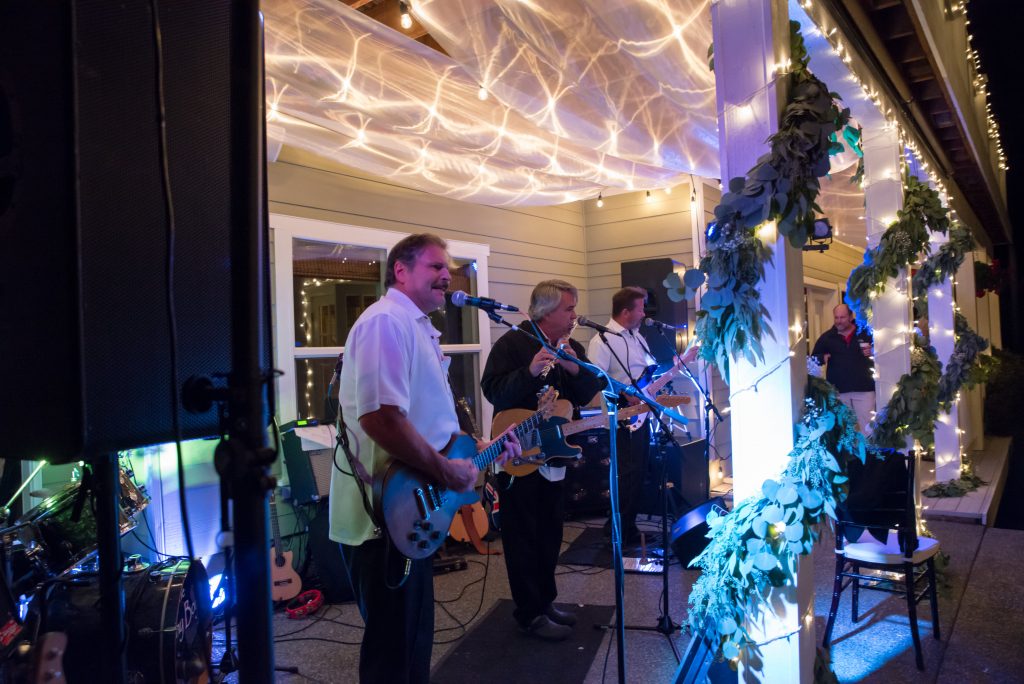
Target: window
[326,275]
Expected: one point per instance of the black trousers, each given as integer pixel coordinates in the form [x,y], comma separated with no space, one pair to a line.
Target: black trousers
[532,511]
[399,633]
[633,450]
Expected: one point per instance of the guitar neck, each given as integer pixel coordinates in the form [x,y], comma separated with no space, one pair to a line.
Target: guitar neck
[491,453]
[601,419]
[273,522]
[666,378]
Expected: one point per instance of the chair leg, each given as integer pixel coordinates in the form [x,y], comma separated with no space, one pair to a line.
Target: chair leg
[837,590]
[933,597]
[856,594]
[908,571]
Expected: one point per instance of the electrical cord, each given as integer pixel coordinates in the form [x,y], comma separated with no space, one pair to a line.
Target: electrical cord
[171,226]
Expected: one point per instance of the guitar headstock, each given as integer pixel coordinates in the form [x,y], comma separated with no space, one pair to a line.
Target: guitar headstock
[546,402]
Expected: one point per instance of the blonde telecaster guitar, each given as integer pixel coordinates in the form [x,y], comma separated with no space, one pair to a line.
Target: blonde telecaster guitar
[547,445]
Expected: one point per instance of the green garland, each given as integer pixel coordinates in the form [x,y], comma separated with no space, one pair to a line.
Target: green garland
[752,549]
[944,264]
[914,407]
[782,186]
[898,247]
[967,365]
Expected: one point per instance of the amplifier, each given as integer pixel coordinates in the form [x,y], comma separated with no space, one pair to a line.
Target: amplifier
[309,458]
[586,479]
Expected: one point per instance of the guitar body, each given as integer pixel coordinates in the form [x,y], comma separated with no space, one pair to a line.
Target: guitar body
[472,516]
[542,445]
[285,583]
[417,511]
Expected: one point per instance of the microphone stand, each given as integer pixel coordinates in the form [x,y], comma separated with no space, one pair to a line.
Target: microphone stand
[709,407]
[611,394]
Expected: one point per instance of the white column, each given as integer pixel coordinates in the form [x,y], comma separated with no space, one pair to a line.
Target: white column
[750,37]
[940,333]
[971,419]
[883,197]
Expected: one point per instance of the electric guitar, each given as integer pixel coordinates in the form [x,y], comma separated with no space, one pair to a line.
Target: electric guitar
[285,583]
[652,387]
[547,444]
[417,512]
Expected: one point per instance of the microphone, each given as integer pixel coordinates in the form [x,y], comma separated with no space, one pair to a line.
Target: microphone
[596,326]
[460,298]
[649,322]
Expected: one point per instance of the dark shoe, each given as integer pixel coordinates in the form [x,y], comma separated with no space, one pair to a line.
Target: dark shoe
[560,617]
[543,628]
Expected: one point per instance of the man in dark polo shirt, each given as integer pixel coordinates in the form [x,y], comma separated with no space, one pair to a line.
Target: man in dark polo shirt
[848,354]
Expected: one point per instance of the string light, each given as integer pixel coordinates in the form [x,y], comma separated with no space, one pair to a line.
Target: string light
[600,200]
[406,19]
[649,198]
[482,94]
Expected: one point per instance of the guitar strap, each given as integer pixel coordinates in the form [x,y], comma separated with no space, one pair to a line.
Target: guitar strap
[359,473]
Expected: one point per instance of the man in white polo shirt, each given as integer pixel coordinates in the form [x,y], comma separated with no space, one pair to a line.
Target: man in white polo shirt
[396,402]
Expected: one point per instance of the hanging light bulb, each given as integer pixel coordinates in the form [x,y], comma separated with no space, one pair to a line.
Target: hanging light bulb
[481,94]
[649,198]
[406,19]
[600,200]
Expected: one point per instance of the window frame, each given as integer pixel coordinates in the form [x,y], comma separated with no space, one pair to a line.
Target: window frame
[285,228]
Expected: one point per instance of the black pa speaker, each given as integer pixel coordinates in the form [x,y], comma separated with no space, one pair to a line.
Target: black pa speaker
[689,533]
[685,469]
[649,274]
[92,278]
[586,487]
[328,564]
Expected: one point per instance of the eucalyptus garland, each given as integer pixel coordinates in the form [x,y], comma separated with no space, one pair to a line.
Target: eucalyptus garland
[782,187]
[898,247]
[967,366]
[753,548]
[946,261]
[914,407]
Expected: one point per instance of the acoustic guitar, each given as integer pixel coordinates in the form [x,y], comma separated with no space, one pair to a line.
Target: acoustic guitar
[471,525]
[547,445]
[417,512]
[285,583]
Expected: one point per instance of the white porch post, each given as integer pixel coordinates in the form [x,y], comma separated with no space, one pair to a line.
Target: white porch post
[971,418]
[883,197]
[940,333]
[751,37]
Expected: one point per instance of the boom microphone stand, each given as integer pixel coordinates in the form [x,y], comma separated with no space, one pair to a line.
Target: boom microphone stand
[611,393]
[709,407]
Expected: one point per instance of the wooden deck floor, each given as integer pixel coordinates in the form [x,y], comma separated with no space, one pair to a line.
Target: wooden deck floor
[980,506]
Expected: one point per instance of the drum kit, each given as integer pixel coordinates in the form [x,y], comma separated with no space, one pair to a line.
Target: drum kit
[50,598]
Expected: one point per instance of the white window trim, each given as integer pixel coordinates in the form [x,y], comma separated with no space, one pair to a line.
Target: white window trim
[283,229]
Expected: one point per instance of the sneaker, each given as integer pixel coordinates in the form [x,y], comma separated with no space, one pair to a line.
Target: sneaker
[560,617]
[543,628]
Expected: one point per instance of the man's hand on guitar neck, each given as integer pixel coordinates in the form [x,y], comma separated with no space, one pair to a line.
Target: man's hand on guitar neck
[513,449]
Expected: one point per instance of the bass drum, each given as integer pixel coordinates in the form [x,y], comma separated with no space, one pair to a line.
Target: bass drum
[168,623]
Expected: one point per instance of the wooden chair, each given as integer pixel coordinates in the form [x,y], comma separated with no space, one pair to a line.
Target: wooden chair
[877,530]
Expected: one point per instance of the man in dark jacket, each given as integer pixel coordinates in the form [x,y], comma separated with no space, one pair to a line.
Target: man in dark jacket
[532,506]
[851,368]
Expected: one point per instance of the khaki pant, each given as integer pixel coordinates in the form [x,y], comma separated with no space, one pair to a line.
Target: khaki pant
[863,405]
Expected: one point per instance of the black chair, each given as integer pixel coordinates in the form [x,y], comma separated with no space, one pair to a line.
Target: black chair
[877,530]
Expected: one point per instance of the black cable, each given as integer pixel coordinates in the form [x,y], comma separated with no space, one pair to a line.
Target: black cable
[172,325]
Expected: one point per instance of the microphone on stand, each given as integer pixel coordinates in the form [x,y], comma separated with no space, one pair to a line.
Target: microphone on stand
[596,326]
[650,322]
[460,298]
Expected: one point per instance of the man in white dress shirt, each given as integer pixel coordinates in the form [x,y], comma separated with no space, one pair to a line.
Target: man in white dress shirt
[397,403]
[626,356]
